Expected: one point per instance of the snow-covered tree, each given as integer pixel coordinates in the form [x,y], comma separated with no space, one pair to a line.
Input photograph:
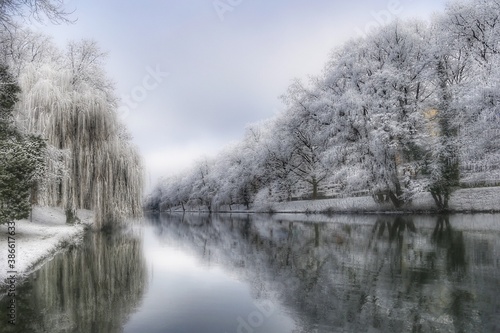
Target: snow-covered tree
[466,77]
[22,163]
[204,184]
[412,107]
[240,171]
[37,9]
[170,192]
[476,27]
[451,68]
[273,157]
[305,133]
[383,94]
[21,46]
[74,109]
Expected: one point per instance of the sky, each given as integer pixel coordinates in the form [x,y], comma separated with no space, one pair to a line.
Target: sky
[192,74]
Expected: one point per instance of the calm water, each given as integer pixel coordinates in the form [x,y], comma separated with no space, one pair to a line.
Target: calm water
[279,274]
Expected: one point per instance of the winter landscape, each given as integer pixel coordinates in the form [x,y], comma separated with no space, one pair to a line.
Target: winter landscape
[269,168]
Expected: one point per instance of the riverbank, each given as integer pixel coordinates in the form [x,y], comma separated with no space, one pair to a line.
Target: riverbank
[470,200]
[38,241]
[467,200]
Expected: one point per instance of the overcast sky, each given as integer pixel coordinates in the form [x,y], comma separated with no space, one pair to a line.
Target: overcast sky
[228,61]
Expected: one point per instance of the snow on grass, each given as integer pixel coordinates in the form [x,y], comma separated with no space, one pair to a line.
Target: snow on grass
[40,239]
[467,200]
[476,199]
[464,200]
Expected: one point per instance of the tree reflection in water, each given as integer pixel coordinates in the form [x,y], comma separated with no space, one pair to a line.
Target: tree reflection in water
[337,274]
[453,243]
[387,274]
[89,289]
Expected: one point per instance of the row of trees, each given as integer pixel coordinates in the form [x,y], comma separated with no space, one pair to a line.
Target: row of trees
[412,108]
[61,141]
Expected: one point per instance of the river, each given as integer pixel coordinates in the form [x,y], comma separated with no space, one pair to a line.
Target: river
[241,273]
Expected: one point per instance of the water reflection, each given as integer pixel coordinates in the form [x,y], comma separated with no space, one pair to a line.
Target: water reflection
[357,274]
[195,289]
[274,274]
[92,288]
[451,241]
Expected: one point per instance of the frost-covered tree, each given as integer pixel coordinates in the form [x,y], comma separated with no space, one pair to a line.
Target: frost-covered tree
[304,130]
[151,202]
[240,171]
[272,155]
[204,184]
[73,108]
[410,108]
[230,171]
[451,69]
[475,27]
[21,46]
[85,60]
[22,163]
[466,78]
[170,193]
[37,9]
[382,83]
[67,100]
[228,163]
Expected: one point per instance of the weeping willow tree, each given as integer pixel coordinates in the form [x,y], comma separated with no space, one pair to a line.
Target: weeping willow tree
[94,165]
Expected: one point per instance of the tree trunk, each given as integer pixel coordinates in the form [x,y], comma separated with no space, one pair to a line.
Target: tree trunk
[441,198]
[380,198]
[395,199]
[71,216]
[314,184]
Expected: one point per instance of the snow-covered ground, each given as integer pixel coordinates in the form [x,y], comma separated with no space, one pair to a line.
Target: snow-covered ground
[486,199]
[40,239]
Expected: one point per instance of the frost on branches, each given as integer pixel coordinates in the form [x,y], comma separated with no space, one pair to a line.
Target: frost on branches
[413,107]
[91,163]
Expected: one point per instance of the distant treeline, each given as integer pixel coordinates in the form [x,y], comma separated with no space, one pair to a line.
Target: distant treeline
[413,107]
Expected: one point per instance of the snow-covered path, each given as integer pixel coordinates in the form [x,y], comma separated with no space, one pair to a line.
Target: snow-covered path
[38,240]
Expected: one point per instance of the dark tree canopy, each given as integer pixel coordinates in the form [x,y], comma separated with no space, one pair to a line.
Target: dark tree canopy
[22,160]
